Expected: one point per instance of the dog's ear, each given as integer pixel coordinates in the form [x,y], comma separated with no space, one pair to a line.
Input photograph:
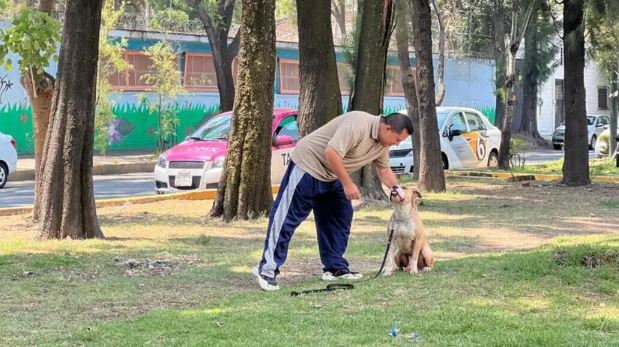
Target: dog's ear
[418,196]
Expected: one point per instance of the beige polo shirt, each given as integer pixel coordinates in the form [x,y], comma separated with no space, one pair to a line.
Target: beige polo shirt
[354,135]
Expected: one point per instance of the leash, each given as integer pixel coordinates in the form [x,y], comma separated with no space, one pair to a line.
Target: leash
[348,286]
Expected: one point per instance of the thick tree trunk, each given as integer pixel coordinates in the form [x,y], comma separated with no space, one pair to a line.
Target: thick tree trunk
[576,160]
[244,191]
[368,91]
[67,195]
[431,175]
[408,78]
[39,91]
[500,61]
[320,99]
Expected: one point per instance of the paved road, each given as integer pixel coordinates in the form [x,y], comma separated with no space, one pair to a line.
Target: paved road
[21,193]
[544,155]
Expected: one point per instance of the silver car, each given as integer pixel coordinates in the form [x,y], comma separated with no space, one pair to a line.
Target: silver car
[595,125]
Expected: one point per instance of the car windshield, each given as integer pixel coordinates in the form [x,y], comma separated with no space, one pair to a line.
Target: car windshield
[216,128]
[590,120]
[440,117]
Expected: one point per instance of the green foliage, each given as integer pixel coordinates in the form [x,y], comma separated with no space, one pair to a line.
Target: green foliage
[165,80]
[169,19]
[516,152]
[110,61]
[541,46]
[602,18]
[34,37]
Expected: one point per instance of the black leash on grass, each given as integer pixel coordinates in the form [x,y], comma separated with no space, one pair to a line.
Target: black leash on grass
[345,286]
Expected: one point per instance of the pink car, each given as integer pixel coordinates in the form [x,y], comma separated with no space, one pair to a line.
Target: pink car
[197,162]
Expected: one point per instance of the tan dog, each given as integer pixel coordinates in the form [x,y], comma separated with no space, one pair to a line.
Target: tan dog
[409,249]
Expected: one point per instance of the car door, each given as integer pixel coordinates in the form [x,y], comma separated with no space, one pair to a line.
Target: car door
[457,148]
[478,139]
[285,137]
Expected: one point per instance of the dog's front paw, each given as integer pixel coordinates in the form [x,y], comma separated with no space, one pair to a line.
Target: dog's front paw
[427,269]
[388,272]
[412,270]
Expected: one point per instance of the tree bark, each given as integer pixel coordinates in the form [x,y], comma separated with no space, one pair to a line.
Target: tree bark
[376,28]
[431,175]
[319,98]
[67,196]
[440,95]
[244,190]
[511,80]
[500,60]
[223,54]
[408,78]
[576,160]
[39,88]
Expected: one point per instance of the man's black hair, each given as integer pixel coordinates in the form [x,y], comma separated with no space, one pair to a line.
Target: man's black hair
[398,122]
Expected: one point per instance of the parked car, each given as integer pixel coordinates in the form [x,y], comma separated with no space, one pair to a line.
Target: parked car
[467,138]
[602,145]
[595,125]
[197,162]
[8,158]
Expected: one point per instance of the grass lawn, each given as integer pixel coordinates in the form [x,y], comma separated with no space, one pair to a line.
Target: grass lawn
[597,167]
[516,266]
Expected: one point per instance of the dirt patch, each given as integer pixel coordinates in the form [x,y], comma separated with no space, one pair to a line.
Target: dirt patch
[148,267]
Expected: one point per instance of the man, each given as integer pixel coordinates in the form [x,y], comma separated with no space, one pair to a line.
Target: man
[318,179]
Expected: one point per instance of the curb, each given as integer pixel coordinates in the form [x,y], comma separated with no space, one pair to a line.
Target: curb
[103,169]
[524,177]
[208,194]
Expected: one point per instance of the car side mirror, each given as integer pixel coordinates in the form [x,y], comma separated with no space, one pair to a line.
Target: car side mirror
[454,132]
[282,140]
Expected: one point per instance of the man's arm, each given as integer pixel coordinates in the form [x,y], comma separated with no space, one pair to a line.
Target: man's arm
[334,160]
[387,177]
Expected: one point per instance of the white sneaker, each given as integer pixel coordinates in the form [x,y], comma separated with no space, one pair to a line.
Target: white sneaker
[343,274]
[266,283]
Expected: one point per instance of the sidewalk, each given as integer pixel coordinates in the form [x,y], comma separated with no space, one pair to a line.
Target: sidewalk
[111,164]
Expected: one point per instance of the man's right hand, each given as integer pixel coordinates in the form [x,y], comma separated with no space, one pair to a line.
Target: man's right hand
[352,191]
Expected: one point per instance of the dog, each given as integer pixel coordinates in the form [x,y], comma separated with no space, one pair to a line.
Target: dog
[409,249]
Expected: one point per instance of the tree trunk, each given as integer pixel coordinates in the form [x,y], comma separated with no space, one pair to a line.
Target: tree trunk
[339,13]
[440,95]
[369,88]
[39,91]
[67,195]
[319,98]
[431,175]
[408,78]
[511,80]
[217,30]
[500,61]
[245,187]
[576,161]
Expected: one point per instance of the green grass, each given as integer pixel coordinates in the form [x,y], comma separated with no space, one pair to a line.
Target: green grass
[515,267]
[597,167]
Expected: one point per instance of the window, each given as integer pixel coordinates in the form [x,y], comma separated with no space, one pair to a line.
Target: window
[474,122]
[288,127]
[602,98]
[289,76]
[457,123]
[133,78]
[200,72]
[603,120]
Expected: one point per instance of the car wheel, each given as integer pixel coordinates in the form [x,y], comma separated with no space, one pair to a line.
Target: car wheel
[593,141]
[4,175]
[557,147]
[445,163]
[493,160]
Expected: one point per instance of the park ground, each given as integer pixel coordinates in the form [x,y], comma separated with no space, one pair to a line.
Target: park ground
[518,264]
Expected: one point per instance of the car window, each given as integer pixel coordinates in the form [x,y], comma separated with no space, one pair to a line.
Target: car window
[457,123]
[216,128]
[474,122]
[288,127]
[603,120]
[590,120]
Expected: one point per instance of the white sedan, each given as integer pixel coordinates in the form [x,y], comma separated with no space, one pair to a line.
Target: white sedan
[8,158]
[468,140]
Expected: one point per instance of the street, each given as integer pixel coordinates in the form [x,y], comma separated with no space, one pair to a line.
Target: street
[545,155]
[21,193]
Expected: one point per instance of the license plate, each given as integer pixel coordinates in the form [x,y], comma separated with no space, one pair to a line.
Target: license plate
[183,179]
